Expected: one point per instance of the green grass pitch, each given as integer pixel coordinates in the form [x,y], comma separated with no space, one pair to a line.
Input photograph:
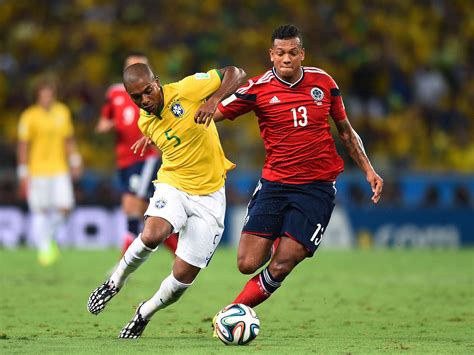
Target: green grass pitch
[380,301]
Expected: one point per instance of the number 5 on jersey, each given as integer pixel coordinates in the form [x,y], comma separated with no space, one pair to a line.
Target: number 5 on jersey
[168,137]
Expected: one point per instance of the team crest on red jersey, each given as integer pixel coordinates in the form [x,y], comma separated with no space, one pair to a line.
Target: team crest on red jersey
[317,94]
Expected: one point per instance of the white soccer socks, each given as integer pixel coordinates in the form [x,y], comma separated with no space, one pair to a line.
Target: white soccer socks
[40,227]
[135,255]
[170,291]
[58,222]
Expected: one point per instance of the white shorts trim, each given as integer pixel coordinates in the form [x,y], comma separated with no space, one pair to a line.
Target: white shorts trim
[50,192]
[199,220]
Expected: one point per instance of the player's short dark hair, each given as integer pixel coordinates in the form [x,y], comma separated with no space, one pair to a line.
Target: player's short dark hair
[286,32]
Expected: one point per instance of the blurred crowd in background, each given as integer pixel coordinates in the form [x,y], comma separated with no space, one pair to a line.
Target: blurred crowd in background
[405,70]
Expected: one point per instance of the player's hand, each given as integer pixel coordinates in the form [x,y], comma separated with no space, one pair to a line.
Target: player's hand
[376,183]
[104,126]
[144,143]
[205,113]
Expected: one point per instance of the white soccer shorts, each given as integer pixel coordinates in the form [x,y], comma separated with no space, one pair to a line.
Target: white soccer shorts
[50,192]
[199,220]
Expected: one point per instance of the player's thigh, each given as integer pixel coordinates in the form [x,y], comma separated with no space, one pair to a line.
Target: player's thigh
[168,203]
[155,231]
[62,191]
[198,241]
[201,235]
[307,230]
[133,205]
[39,198]
[264,211]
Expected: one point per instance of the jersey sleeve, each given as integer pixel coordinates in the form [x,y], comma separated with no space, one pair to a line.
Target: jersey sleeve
[24,127]
[107,108]
[200,86]
[337,111]
[240,102]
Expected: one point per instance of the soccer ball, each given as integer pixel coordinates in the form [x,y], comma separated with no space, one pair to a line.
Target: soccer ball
[236,324]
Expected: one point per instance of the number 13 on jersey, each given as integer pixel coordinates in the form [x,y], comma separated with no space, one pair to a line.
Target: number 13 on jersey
[300,116]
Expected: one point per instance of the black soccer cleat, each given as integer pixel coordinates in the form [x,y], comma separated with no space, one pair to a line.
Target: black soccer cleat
[101,295]
[134,328]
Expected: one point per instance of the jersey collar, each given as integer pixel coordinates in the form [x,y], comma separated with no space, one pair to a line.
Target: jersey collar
[287,83]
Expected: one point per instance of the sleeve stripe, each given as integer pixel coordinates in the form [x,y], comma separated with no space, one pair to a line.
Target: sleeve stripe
[248,97]
[229,100]
[335,92]
[219,73]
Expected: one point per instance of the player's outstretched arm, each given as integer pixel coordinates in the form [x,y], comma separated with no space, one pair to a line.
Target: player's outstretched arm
[75,159]
[22,168]
[232,78]
[104,125]
[355,147]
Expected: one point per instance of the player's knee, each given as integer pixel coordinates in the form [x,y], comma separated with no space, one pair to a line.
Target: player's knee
[153,238]
[280,269]
[156,230]
[246,265]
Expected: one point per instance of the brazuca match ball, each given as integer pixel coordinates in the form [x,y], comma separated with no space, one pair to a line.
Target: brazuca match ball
[237,324]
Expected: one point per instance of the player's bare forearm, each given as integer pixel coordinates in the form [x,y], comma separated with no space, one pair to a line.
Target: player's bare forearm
[232,78]
[75,159]
[22,153]
[355,148]
[22,169]
[353,145]
[104,125]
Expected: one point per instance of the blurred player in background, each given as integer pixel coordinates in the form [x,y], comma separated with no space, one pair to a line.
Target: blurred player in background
[189,193]
[135,172]
[294,199]
[47,155]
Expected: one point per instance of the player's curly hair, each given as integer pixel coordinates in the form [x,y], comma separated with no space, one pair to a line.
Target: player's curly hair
[286,32]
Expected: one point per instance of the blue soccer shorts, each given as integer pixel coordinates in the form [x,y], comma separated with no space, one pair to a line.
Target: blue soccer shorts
[137,178]
[300,212]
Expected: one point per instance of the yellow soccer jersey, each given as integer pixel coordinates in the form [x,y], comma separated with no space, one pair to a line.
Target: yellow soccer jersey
[45,132]
[193,159]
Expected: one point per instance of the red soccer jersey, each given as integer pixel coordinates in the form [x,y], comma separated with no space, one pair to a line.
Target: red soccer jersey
[120,108]
[294,124]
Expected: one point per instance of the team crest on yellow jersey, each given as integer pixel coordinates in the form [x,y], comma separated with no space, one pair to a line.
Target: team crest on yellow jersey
[176,109]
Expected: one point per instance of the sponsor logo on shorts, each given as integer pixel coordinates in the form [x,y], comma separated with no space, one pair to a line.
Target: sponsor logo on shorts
[161,202]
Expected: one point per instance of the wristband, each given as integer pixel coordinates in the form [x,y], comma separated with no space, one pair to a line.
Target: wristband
[75,160]
[22,171]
